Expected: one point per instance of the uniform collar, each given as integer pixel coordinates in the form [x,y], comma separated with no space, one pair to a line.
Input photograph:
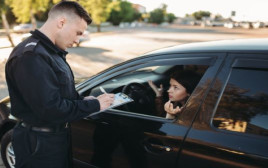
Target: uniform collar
[47,42]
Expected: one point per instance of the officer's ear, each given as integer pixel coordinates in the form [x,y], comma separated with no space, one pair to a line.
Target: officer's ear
[61,22]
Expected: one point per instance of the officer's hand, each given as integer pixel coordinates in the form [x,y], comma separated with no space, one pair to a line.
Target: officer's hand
[105,100]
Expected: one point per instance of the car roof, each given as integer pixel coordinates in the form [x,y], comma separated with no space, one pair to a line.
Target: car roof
[237,45]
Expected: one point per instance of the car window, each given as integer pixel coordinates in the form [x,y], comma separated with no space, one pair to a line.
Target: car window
[135,84]
[244,104]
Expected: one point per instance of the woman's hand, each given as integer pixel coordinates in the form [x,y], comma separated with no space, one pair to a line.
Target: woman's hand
[171,111]
[158,91]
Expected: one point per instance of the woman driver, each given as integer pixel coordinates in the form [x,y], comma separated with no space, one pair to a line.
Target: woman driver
[182,84]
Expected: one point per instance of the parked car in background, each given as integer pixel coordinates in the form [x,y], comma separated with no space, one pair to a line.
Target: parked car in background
[231,25]
[211,23]
[224,123]
[23,28]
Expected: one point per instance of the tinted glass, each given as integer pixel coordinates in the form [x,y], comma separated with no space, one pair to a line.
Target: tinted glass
[244,103]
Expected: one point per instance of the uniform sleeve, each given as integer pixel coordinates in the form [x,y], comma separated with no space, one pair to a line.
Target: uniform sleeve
[39,86]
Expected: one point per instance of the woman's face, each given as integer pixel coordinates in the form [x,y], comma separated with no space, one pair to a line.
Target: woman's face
[176,91]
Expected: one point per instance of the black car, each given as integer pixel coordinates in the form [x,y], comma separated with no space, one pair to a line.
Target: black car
[223,124]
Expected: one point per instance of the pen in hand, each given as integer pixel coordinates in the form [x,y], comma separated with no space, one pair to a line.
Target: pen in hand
[106,100]
[102,90]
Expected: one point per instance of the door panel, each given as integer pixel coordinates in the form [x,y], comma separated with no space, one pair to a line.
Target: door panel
[128,138]
[122,142]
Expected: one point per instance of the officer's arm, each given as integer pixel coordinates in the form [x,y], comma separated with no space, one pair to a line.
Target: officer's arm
[39,87]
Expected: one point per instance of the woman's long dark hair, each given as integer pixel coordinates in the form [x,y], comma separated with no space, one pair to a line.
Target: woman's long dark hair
[188,79]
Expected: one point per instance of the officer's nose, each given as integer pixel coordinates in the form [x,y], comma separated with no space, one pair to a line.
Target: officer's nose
[77,40]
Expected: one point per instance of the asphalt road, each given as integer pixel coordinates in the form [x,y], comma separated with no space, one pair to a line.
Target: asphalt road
[116,45]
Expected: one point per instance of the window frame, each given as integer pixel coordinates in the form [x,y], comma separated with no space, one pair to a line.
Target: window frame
[208,59]
[247,61]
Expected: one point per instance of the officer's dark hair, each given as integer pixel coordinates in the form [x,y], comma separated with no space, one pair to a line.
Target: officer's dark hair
[71,6]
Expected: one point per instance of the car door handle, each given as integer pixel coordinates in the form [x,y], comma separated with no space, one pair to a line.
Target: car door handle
[161,147]
[156,148]
[104,123]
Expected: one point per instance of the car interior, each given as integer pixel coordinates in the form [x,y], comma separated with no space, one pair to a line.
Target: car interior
[135,85]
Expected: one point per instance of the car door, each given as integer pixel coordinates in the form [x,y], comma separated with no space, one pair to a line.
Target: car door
[121,138]
[231,127]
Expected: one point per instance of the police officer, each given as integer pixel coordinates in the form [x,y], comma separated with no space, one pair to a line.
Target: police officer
[42,91]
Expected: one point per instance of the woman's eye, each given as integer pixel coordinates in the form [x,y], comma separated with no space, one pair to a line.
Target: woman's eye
[176,88]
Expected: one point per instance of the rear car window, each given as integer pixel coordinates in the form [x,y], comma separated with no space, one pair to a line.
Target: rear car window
[244,104]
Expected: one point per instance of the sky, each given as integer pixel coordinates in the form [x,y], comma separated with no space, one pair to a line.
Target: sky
[246,10]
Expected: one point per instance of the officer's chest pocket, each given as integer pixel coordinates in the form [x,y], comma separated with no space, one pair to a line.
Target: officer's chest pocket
[64,76]
[63,79]
[65,84]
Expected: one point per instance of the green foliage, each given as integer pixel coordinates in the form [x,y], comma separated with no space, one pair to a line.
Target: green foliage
[218,17]
[164,8]
[115,18]
[171,17]
[56,1]
[3,6]
[127,12]
[43,15]
[98,9]
[157,16]
[124,12]
[22,8]
[137,16]
[160,15]
[10,16]
[199,14]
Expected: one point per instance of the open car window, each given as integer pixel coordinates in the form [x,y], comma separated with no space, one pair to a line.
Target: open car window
[135,85]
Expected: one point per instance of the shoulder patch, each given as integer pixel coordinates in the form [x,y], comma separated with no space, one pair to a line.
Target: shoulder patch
[30,45]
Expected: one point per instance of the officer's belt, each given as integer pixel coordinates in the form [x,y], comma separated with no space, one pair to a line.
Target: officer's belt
[45,129]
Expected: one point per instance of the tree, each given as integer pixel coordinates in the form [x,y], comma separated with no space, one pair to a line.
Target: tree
[127,11]
[157,16]
[137,16]
[24,10]
[98,9]
[218,17]
[164,8]
[114,12]
[199,14]
[171,17]
[124,12]
[3,10]
[115,17]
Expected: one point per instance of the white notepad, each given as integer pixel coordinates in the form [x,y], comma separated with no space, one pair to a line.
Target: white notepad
[119,99]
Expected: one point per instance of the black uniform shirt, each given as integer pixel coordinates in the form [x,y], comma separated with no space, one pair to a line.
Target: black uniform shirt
[41,84]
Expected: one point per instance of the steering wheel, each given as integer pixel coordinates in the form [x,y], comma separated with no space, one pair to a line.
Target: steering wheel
[142,101]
